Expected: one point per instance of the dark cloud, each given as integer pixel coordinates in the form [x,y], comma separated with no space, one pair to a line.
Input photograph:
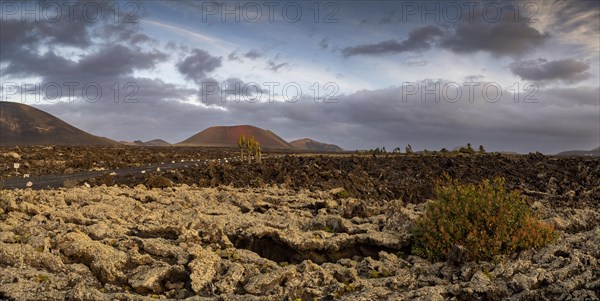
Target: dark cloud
[234,57]
[568,70]
[108,47]
[273,66]
[198,64]
[471,33]
[380,118]
[118,60]
[108,61]
[418,40]
[76,25]
[505,37]
[253,54]
[371,118]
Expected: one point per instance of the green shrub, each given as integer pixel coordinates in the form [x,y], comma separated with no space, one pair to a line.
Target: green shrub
[341,194]
[485,219]
[42,278]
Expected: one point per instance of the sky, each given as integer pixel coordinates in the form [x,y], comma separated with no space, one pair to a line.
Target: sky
[512,76]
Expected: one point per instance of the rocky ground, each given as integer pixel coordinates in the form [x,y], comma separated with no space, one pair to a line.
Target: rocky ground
[47,160]
[275,242]
[564,181]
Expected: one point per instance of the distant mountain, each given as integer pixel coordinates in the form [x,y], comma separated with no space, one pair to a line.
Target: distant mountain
[227,136]
[25,125]
[155,142]
[593,152]
[312,145]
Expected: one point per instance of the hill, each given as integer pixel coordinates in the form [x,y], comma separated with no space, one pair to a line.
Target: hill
[155,142]
[227,136]
[593,152]
[21,124]
[312,145]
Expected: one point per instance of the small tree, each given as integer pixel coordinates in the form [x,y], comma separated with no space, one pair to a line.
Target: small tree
[241,144]
[258,153]
[467,149]
[250,144]
[409,149]
[481,149]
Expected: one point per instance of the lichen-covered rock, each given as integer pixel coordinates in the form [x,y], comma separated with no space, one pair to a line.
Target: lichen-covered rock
[231,279]
[104,261]
[269,283]
[147,279]
[203,268]
[272,243]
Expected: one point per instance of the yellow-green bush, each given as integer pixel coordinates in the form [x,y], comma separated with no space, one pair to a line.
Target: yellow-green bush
[485,219]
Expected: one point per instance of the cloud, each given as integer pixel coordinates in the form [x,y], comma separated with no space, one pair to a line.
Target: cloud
[117,59]
[253,54]
[198,64]
[158,110]
[234,57]
[103,52]
[562,118]
[97,48]
[506,37]
[418,40]
[274,65]
[568,70]
[576,25]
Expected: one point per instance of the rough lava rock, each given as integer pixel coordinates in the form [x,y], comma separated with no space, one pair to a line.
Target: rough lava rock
[269,243]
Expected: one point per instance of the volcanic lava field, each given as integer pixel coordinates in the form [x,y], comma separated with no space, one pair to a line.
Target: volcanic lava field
[295,227]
